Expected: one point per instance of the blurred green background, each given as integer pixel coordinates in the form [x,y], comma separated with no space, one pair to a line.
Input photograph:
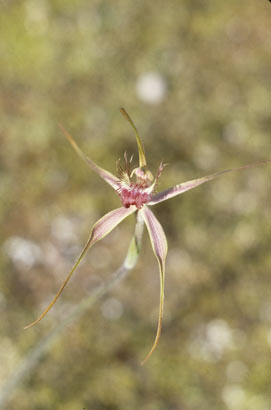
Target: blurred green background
[195,78]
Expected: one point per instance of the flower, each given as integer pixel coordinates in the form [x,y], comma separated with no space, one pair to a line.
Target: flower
[137,191]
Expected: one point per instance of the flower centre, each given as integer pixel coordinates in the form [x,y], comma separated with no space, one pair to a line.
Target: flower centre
[133,194]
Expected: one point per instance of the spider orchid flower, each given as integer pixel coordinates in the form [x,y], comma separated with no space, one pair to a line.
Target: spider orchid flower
[137,191]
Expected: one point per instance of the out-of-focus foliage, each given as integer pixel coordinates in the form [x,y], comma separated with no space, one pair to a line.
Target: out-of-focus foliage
[194,75]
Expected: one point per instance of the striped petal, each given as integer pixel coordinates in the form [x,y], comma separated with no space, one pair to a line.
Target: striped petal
[180,188]
[106,175]
[159,246]
[105,225]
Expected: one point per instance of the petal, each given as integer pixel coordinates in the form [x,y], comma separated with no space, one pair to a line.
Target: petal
[159,246]
[180,188]
[105,225]
[141,151]
[106,175]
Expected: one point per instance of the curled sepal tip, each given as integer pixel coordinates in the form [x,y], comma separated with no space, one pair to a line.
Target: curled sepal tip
[141,151]
[159,246]
[103,227]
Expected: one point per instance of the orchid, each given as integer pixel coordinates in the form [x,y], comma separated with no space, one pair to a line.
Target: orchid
[137,190]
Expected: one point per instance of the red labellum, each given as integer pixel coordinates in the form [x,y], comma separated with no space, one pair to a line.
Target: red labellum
[134,194]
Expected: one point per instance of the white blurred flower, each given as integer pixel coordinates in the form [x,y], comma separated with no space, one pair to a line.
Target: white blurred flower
[209,342]
[112,309]
[151,88]
[234,397]
[23,252]
[219,335]
[63,229]
[36,16]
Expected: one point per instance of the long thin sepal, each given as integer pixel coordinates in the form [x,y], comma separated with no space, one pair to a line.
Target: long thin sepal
[106,175]
[159,246]
[105,225]
[141,151]
[180,188]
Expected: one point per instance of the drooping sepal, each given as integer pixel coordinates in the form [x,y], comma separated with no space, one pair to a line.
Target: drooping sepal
[159,246]
[101,228]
